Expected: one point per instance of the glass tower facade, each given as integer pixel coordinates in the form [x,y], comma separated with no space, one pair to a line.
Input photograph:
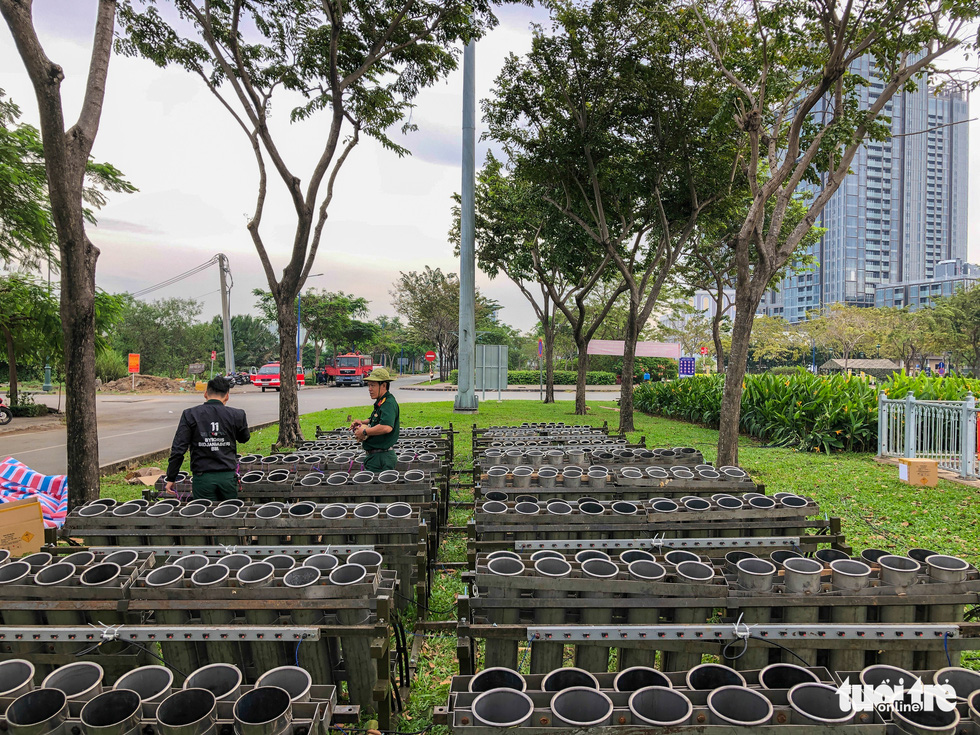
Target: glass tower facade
[901,210]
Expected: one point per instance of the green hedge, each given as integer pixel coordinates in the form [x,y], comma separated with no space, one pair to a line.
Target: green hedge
[809,412]
[29,410]
[562,377]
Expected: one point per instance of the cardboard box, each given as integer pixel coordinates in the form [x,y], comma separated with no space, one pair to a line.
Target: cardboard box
[922,472]
[21,527]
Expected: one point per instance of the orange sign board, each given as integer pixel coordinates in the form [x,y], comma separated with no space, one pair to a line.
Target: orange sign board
[134,362]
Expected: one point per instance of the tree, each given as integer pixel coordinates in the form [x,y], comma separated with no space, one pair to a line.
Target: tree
[614,115]
[959,316]
[166,334]
[26,230]
[254,342]
[844,330]
[794,87]
[688,326]
[66,154]
[774,340]
[361,63]
[910,335]
[28,322]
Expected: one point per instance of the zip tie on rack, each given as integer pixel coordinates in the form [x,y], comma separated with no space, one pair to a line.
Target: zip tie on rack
[745,631]
[229,549]
[108,632]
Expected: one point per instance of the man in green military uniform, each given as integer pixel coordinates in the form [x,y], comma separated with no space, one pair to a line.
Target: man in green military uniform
[380,432]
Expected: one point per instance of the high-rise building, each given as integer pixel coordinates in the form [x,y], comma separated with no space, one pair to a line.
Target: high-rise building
[901,210]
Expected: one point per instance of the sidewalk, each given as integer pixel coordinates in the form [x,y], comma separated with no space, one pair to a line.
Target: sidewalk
[517,388]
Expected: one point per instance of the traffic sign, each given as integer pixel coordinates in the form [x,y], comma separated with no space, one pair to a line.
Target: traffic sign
[134,362]
[430,356]
[704,350]
[214,355]
[540,347]
[686,367]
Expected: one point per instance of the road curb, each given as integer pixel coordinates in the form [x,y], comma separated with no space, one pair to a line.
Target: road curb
[140,459]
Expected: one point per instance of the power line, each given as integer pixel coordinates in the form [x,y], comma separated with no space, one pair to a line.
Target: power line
[175,279]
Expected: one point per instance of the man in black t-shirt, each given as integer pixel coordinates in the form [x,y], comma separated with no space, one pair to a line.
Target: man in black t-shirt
[211,432]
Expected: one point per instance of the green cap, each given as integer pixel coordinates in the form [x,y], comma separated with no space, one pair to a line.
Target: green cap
[379,375]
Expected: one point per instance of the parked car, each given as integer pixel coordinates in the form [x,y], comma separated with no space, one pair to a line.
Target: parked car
[268,376]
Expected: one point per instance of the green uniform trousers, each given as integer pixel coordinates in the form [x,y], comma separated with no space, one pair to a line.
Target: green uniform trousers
[216,486]
[381,461]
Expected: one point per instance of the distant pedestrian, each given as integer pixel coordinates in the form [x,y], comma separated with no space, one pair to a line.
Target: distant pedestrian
[380,432]
[646,376]
[211,431]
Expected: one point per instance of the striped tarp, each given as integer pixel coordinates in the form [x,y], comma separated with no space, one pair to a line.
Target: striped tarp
[18,481]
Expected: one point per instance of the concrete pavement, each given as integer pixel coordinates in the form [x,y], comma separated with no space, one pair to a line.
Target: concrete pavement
[133,425]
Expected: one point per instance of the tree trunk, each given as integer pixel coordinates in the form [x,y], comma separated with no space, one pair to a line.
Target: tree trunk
[549,355]
[11,366]
[716,338]
[290,434]
[731,400]
[583,367]
[629,362]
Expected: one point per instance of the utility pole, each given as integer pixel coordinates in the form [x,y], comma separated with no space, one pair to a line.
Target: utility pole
[224,270]
[466,399]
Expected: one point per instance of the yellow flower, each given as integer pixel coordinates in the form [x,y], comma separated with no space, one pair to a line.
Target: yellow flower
[845,409]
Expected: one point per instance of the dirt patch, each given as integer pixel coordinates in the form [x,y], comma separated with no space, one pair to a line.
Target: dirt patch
[147,384]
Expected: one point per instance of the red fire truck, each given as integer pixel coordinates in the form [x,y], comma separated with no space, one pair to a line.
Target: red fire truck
[350,368]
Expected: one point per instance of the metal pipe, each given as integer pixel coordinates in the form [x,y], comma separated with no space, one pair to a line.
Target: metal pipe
[497,678]
[631,555]
[215,575]
[114,712]
[234,562]
[713,676]
[298,512]
[192,510]
[79,558]
[347,574]
[502,708]
[16,678]
[820,705]
[547,655]
[398,510]
[191,563]
[581,707]
[224,511]
[642,570]
[875,676]
[785,676]
[736,705]
[734,557]
[39,712]
[314,656]
[92,510]
[852,576]
[660,706]
[37,561]
[497,477]
[281,562]
[56,574]
[80,681]
[224,681]
[151,683]
[915,719]
[263,711]
[640,677]
[567,677]
[366,558]
[123,557]
[295,680]
[900,572]
[187,712]
[323,562]
[964,681]
[127,510]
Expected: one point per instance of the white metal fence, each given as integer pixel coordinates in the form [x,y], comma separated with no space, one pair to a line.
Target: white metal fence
[945,431]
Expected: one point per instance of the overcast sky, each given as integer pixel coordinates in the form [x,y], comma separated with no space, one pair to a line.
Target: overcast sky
[196,175]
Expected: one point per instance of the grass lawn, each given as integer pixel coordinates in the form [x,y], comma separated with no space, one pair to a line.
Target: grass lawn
[877,510]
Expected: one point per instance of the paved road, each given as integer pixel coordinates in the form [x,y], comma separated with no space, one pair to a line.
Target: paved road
[134,425]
